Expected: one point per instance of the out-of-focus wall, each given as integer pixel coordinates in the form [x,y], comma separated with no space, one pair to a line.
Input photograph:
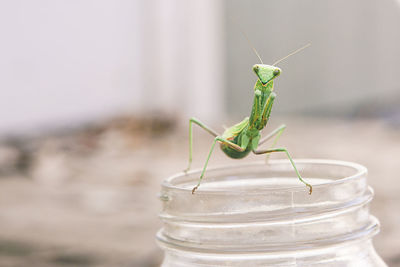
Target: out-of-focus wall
[68,62]
[354,58]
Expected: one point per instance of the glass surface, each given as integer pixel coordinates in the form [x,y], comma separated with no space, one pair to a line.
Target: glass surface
[261,215]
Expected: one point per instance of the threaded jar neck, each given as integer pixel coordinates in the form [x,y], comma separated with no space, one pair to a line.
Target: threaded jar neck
[262,207]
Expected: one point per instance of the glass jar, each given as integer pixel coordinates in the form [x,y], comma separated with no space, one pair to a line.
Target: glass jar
[261,215]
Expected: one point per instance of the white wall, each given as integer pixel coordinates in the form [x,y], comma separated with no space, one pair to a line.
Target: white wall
[67,62]
[353,60]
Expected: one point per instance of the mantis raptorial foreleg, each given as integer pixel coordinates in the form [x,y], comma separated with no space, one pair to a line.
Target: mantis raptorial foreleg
[267,110]
[221,140]
[265,118]
[258,152]
[208,129]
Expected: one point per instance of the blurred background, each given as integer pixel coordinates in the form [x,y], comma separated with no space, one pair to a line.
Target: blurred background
[95,98]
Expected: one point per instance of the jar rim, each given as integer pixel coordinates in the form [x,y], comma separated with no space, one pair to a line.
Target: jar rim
[359,171]
[243,206]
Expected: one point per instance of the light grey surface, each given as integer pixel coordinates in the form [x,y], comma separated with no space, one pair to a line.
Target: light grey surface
[91,197]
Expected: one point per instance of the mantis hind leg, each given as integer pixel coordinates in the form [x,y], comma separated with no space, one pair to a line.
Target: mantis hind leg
[268,151]
[208,129]
[221,140]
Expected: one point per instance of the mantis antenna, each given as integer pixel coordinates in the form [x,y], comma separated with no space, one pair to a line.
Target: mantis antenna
[291,54]
[251,45]
[248,40]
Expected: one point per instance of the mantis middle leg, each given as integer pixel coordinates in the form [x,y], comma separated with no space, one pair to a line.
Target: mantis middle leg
[258,152]
[277,133]
[208,129]
[217,139]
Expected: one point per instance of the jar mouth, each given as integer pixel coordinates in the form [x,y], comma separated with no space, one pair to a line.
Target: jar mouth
[349,171]
[259,206]
[265,192]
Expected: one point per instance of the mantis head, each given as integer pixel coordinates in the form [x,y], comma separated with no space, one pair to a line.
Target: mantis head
[266,73]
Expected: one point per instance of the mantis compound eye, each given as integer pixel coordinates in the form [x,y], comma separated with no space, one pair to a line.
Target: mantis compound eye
[277,72]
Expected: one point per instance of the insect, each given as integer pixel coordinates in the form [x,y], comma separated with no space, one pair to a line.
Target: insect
[244,137]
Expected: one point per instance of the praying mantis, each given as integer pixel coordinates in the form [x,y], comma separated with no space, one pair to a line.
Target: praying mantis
[244,137]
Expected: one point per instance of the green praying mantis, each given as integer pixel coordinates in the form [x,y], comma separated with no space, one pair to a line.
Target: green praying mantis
[244,137]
